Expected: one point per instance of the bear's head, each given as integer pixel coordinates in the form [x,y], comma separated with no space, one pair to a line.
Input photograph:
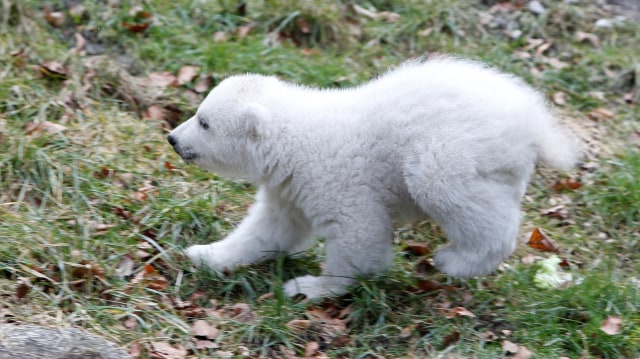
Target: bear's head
[225,133]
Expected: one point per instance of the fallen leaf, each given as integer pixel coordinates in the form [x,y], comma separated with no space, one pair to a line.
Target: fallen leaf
[160,79]
[429,285]
[588,37]
[425,266]
[489,336]
[388,16]
[220,36]
[23,288]
[37,128]
[509,347]
[203,83]
[311,349]
[601,114]
[417,249]
[81,42]
[523,353]
[364,12]
[151,278]
[205,344]
[298,326]
[88,269]
[558,211]
[459,312]
[566,184]
[543,48]
[55,18]
[135,349]
[243,31]
[559,98]
[125,266]
[130,323]
[54,69]
[540,241]
[611,325]
[450,338]
[529,259]
[203,330]
[186,74]
[168,351]
[242,312]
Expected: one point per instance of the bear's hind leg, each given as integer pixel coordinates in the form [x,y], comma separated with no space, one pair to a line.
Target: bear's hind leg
[481,220]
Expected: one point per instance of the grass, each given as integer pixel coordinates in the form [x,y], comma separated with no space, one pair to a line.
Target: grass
[76,205]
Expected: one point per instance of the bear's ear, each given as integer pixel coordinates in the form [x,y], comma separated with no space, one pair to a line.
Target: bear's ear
[257,119]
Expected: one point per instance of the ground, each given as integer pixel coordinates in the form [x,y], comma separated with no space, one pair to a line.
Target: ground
[95,207]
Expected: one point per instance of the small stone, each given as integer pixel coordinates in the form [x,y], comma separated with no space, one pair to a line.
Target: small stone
[536,7]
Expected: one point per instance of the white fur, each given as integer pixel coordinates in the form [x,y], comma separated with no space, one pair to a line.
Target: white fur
[447,139]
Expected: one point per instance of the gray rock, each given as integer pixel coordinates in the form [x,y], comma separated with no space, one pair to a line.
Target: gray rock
[35,342]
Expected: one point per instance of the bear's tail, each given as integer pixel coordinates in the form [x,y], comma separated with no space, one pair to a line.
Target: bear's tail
[556,146]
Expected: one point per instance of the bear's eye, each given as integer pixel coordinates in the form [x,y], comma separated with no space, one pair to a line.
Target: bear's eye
[203,123]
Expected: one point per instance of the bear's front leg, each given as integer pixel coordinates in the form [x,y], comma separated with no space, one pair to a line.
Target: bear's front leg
[356,245]
[270,230]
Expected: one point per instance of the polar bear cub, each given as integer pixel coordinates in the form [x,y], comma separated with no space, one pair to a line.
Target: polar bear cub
[446,139]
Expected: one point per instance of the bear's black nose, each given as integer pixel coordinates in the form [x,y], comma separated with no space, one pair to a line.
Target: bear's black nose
[172,140]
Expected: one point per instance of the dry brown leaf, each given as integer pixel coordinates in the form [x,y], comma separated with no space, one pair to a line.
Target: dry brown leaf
[130,323]
[220,36]
[388,16]
[37,128]
[192,96]
[542,242]
[168,351]
[135,349]
[612,325]
[205,344]
[566,184]
[509,347]
[540,50]
[593,39]
[81,43]
[23,288]
[556,63]
[151,278]
[428,285]
[558,211]
[203,330]
[88,269]
[459,312]
[186,74]
[203,83]
[523,353]
[417,249]
[601,114]
[55,18]
[298,326]
[529,259]
[160,79]
[54,70]
[559,98]
[125,266]
[311,349]
[450,338]
[243,31]
[489,336]
[242,312]
[364,12]
[302,25]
